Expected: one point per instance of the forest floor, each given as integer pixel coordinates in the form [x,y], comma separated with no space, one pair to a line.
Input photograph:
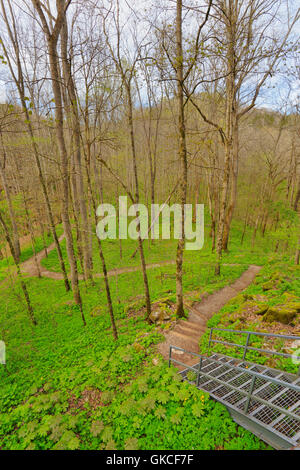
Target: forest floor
[66,386]
[186,333]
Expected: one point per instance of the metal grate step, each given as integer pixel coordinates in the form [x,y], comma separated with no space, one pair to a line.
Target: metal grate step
[269,398]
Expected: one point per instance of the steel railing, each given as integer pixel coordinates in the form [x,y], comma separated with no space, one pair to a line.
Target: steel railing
[257,390]
[246,347]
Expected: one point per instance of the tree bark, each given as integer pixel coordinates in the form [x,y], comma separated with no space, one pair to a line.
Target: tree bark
[84,224]
[182,153]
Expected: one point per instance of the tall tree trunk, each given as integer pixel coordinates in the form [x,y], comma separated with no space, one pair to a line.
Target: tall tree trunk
[52,38]
[65,176]
[137,197]
[231,129]
[12,215]
[19,82]
[72,103]
[297,255]
[182,156]
[234,173]
[102,258]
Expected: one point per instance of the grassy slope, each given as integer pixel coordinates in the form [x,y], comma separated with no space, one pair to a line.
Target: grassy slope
[70,387]
[163,250]
[27,252]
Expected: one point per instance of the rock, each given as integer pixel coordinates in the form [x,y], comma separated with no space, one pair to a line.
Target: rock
[294,306]
[135,306]
[261,309]
[289,297]
[281,315]
[164,316]
[268,285]
[155,361]
[276,276]
[248,297]
[236,317]
[154,316]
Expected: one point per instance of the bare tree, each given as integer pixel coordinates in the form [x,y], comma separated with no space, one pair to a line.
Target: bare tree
[52,36]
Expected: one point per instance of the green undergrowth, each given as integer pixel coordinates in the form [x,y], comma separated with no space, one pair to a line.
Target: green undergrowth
[165,250]
[27,251]
[66,386]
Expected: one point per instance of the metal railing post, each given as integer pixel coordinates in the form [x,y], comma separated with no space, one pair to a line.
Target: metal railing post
[210,337]
[199,369]
[249,394]
[246,346]
[170,354]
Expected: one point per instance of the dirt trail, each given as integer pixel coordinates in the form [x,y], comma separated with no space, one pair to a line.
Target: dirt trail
[187,333]
[29,266]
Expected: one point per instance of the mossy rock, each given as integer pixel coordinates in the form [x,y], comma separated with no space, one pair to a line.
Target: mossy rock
[160,316]
[262,309]
[284,316]
[269,285]
[290,297]
[135,305]
[154,316]
[164,315]
[276,276]
[248,297]
[239,299]
[168,300]
[294,306]
[236,317]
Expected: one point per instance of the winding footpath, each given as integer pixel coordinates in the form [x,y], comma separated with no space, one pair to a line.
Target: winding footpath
[29,266]
[187,333]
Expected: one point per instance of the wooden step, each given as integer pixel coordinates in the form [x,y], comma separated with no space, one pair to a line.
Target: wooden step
[183,341]
[190,324]
[190,331]
[195,318]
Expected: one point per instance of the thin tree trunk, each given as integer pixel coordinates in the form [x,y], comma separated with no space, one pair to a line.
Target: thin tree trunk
[233,192]
[140,242]
[52,38]
[72,103]
[19,274]
[182,156]
[12,215]
[297,255]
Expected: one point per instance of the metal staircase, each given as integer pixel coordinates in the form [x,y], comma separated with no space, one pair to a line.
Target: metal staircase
[263,400]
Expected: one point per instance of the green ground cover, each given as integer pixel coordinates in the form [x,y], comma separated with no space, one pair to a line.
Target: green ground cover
[164,250]
[70,387]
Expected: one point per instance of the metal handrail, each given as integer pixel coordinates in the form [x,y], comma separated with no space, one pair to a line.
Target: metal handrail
[246,346]
[248,371]
[197,369]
